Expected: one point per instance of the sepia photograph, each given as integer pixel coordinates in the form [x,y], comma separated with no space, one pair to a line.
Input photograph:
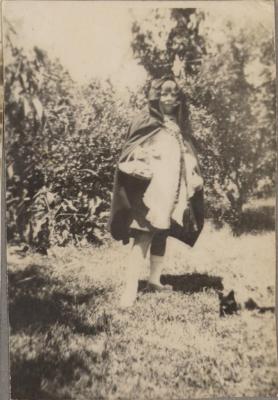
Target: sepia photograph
[139,189]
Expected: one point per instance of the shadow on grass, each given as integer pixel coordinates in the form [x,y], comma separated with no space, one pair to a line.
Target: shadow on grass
[27,376]
[46,314]
[189,283]
[37,300]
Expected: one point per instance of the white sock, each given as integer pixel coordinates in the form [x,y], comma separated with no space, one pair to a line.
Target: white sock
[156,269]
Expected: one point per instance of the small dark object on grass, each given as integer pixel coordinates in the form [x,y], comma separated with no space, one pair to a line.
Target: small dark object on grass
[263,310]
[228,304]
[250,304]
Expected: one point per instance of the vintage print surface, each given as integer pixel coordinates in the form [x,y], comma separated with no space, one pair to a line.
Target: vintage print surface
[140,195]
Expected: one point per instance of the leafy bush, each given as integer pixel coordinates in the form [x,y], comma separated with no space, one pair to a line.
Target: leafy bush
[62,146]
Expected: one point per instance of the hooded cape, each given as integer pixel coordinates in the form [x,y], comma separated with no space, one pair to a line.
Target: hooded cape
[144,126]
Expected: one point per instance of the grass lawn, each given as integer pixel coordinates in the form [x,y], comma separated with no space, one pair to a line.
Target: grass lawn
[69,340]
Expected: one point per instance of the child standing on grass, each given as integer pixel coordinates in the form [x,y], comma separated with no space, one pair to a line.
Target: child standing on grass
[158,188]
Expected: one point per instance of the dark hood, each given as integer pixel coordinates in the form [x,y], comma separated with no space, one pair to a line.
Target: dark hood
[150,119]
[182,110]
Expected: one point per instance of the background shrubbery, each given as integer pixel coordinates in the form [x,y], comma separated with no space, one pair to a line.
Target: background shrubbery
[62,145]
[63,140]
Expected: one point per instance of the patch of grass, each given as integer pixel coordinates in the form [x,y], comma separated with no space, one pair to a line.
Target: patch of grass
[69,340]
[38,300]
[58,332]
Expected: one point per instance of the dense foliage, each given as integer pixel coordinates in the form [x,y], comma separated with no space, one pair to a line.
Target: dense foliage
[63,140]
[62,144]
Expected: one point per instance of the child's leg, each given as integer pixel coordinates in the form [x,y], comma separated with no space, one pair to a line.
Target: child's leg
[136,260]
[158,248]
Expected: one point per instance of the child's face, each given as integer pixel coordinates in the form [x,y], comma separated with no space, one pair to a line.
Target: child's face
[168,97]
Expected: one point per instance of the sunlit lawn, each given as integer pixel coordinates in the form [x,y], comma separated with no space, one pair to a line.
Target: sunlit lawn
[69,340]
